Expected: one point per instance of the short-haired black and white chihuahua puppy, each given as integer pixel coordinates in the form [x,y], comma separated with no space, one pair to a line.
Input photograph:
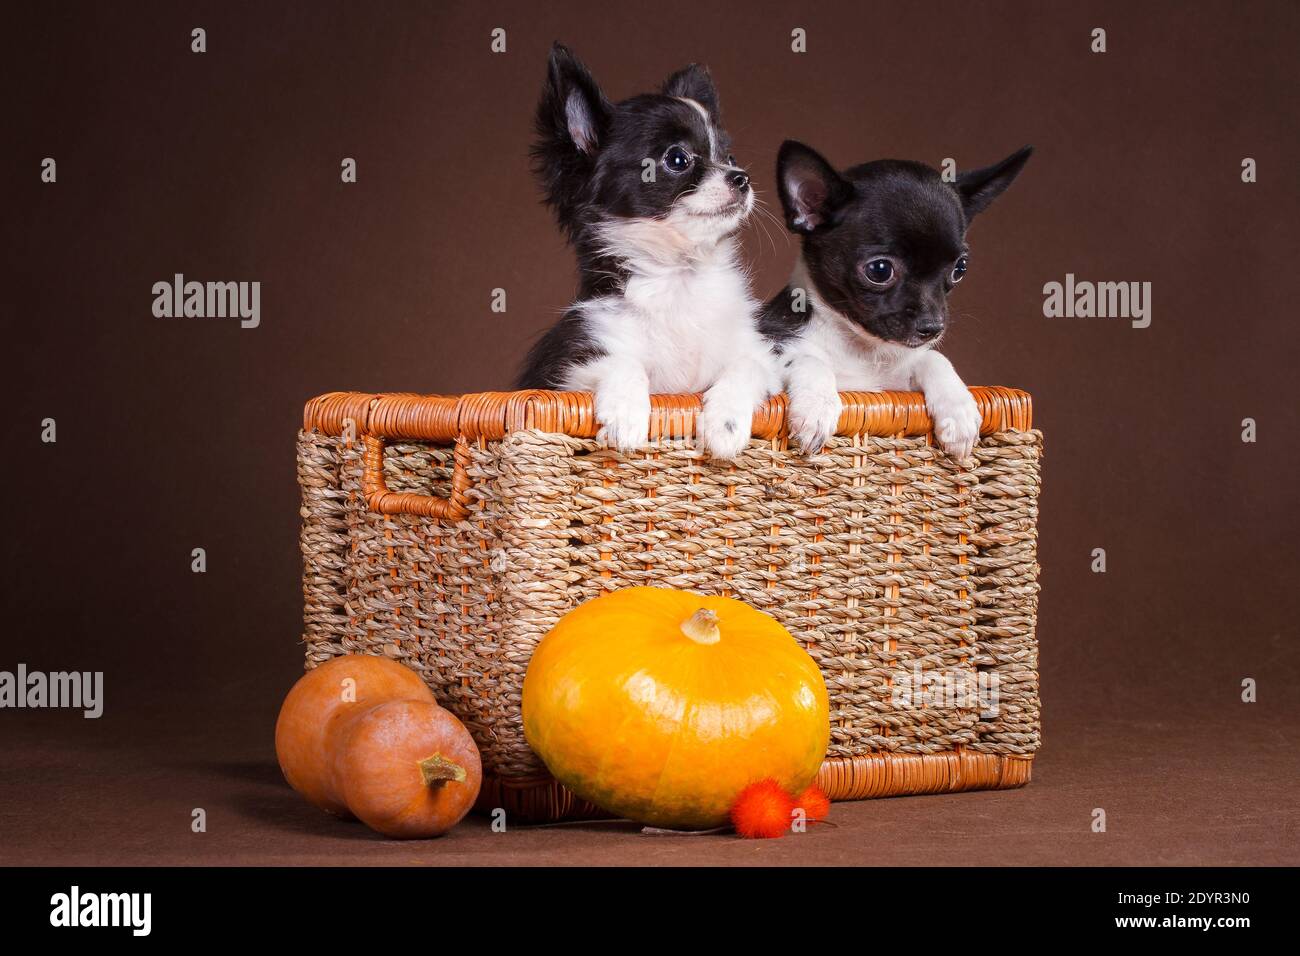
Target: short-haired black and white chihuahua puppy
[650,197]
[883,245]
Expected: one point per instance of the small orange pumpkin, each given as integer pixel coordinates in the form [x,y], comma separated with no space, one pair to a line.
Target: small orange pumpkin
[662,705]
[309,715]
[363,736]
[407,768]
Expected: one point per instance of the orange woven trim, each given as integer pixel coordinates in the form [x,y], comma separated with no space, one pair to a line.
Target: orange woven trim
[380,499]
[492,415]
[328,413]
[896,775]
[842,778]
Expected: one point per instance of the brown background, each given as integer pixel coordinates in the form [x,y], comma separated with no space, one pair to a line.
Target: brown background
[178,433]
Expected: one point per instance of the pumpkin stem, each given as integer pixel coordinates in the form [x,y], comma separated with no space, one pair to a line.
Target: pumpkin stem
[438,769]
[702,627]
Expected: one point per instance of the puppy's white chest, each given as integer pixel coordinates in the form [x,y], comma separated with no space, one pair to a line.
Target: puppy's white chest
[859,367]
[688,298]
[687,325]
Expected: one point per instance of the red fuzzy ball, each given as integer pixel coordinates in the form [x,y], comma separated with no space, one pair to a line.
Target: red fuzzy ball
[814,803]
[762,810]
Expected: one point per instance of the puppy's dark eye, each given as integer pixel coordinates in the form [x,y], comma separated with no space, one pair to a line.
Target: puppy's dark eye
[677,160]
[959,270]
[879,271]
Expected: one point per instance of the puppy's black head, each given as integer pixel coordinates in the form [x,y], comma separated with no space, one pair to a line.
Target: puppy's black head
[884,243]
[659,158]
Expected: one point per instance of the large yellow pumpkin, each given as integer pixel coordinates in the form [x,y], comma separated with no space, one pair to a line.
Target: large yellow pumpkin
[662,705]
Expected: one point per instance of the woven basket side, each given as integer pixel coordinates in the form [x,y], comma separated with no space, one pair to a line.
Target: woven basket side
[431,594]
[925,632]
[537,503]
[874,587]
[1006,596]
[324,544]
[422,591]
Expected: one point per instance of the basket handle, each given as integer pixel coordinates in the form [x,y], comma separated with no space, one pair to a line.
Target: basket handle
[379,499]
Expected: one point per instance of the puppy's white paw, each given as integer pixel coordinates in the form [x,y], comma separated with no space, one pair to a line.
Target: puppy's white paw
[624,420]
[814,416]
[956,420]
[724,425]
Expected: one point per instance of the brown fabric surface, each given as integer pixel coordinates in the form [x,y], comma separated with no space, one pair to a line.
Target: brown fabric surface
[176,434]
[1171,796]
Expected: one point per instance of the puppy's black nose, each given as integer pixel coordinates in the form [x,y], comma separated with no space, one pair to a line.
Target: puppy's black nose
[929,328]
[739,180]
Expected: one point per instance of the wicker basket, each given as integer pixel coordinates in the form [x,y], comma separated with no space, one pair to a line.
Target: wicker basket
[451,532]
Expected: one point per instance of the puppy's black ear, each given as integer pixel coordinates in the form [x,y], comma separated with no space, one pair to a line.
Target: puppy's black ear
[573,112]
[694,82]
[810,189]
[572,122]
[979,187]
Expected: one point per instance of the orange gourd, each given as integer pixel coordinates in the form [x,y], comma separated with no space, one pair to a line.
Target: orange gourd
[359,732]
[407,768]
[318,701]
[662,705]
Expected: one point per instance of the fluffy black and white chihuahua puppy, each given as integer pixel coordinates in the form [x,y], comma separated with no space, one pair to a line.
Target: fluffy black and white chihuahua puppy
[883,245]
[650,197]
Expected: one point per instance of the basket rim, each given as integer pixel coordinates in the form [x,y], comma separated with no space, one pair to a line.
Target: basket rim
[493,415]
